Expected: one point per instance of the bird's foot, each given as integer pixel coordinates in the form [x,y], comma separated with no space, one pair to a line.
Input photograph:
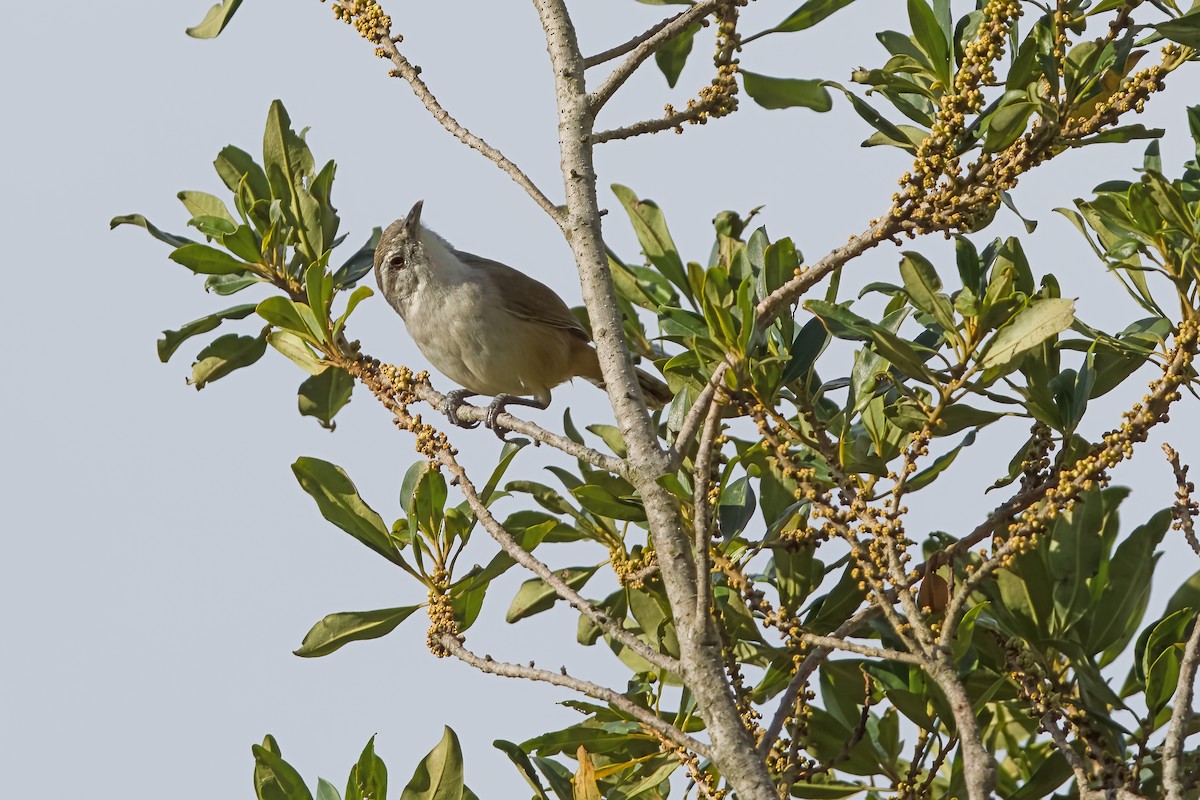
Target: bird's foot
[495,408]
[454,401]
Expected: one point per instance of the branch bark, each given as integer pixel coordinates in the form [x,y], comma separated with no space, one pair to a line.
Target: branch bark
[1177,730]
[733,747]
[613,698]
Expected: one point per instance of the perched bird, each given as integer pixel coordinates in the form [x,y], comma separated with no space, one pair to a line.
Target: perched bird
[489,328]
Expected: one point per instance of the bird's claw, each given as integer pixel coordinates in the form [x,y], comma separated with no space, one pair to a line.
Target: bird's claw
[454,401]
[495,409]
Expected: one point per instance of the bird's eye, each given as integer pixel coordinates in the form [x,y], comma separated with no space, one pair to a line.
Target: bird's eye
[397,262]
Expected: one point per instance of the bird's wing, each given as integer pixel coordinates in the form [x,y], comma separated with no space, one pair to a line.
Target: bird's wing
[526,298]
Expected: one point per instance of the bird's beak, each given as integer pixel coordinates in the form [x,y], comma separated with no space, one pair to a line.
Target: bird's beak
[412,223]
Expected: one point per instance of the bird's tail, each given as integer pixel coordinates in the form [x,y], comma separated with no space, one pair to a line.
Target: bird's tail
[657,393]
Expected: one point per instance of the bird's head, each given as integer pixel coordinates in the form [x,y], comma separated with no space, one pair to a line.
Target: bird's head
[400,259]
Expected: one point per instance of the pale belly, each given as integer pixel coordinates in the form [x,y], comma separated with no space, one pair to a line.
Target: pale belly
[485,349]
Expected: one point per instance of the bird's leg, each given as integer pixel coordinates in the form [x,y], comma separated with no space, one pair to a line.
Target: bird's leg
[501,401]
[454,401]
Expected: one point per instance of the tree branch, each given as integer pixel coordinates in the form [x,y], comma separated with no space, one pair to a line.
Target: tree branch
[622,49]
[653,39]
[702,507]
[469,413]
[885,653]
[526,559]
[613,698]
[702,655]
[405,69]
[1181,714]
[695,416]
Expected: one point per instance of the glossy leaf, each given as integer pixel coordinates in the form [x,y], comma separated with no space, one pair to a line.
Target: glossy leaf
[205,260]
[142,222]
[651,228]
[339,502]
[672,55]
[325,394]
[771,92]
[224,355]
[1037,323]
[274,778]
[536,596]
[215,20]
[337,630]
[439,776]
[809,14]
[173,339]
[368,777]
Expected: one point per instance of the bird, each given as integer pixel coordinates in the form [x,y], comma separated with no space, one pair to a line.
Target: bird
[486,326]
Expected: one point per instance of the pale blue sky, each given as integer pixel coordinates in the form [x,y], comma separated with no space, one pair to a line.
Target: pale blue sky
[160,561]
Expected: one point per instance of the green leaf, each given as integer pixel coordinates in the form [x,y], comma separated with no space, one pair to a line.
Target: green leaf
[142,222]
[672,55]
[339,502]
[651,228]
[601,502]
[237,168]
[336,630]
[927,33]
[230,284]
[939,465]
[1118,612]
[924,288]
[295,348]
[1161,660]
[326,790]
[323,395]
[290,169]
[439,776]
[368,778]
[215,20]
[524,766]
[771,92]
[173,339]
[1042,319]
[203,204]
[274,778]
[287,314]
[1006,125]
[356,297]
[224,355]
[536,596]
[1184,30]
[358,264]
[205,260]
[810,14]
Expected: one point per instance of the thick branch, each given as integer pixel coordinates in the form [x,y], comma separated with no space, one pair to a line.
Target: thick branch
[702,657]
[645,49]
[613,698]
[405,69]
[1181,717]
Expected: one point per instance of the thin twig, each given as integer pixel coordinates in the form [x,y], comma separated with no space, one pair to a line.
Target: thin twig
[469,413]
[613,698]
[676,119]
[403,68]
[885,653]
[1064,747]
[694,418]
[622,49]
[645,48]
[702,508]
[774,304]
[1181,714]
[526,559]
